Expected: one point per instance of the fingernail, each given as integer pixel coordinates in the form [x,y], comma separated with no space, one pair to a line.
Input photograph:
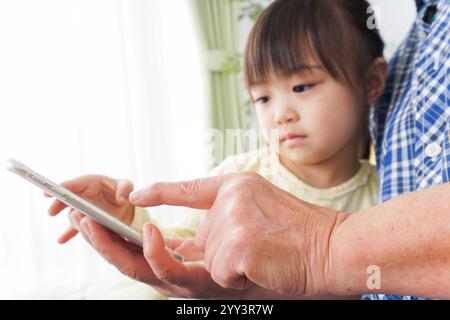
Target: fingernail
[135,195]
[85,228]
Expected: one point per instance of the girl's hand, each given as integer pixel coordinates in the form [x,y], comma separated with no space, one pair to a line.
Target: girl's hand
[107,193]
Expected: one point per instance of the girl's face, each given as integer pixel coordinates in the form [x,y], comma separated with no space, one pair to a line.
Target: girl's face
[316,115]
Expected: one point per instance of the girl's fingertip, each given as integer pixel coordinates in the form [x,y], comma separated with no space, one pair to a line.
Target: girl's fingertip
[85,227]
[135,196]
[148,230]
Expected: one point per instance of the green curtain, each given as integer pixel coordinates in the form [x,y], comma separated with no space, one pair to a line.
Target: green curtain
[218,23]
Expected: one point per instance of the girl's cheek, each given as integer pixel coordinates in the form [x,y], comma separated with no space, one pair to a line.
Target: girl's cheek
[327,126]
[318,118]
[269,131]
[265,119]
[341,127]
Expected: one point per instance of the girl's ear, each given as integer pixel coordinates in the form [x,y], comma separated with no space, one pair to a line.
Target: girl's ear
[376,79]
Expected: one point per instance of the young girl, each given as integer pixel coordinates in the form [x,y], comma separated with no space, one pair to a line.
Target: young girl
[312,68]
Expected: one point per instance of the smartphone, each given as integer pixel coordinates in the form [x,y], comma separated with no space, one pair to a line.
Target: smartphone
[76,202]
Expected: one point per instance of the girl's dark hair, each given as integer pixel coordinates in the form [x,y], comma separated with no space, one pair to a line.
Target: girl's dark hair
[335,33]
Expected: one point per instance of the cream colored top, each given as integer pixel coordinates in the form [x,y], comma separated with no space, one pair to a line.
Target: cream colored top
[358,193]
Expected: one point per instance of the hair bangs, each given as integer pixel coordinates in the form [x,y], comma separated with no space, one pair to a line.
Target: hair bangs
[278,46]
[294,35]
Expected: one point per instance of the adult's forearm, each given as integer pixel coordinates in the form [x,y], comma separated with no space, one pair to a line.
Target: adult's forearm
[407,239]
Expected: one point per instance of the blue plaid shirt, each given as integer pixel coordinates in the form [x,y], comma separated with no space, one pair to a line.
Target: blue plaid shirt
[410,126]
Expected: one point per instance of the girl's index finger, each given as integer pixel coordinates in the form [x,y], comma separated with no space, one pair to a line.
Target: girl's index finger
[78,185]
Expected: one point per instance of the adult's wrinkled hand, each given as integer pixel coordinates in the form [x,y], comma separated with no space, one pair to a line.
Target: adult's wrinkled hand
[254,233]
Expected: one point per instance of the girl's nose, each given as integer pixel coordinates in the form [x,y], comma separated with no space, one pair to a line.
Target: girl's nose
[286,114]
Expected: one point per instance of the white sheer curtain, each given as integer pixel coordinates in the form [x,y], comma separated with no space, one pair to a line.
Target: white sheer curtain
[109,87]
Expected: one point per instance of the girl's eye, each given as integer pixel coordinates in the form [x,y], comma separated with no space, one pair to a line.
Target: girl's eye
[262,100]
[302,88]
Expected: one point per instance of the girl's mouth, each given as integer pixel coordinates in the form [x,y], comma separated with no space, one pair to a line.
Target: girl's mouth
[292,139]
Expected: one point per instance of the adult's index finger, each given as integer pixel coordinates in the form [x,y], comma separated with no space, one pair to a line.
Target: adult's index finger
[198,194]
